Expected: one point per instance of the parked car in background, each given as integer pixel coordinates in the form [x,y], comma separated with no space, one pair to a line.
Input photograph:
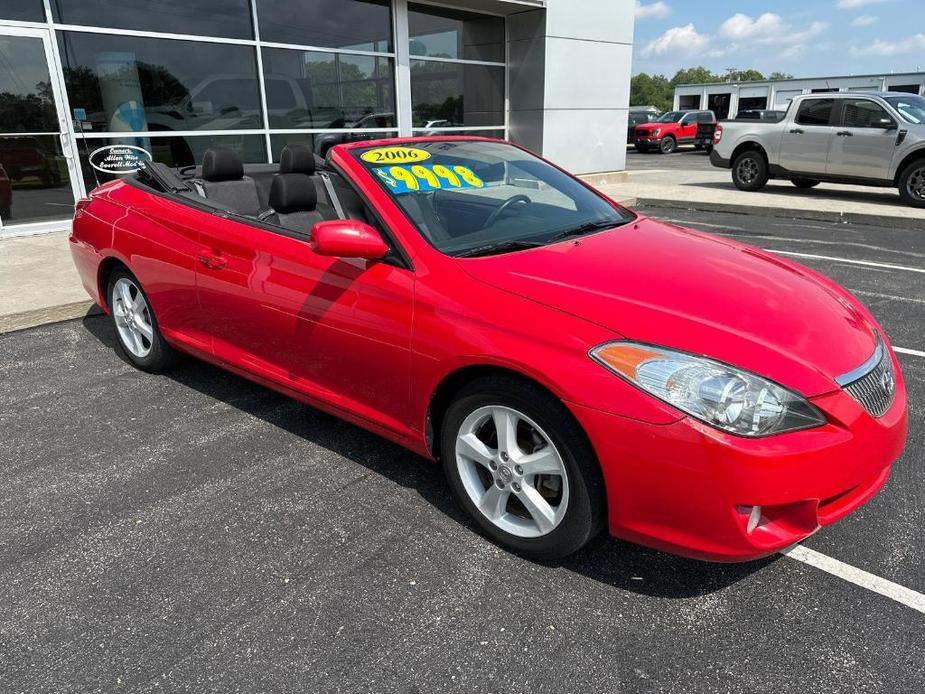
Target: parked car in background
[757,114]
[637,118]
[6,195]
[671,129]
[875,139]
[380,121]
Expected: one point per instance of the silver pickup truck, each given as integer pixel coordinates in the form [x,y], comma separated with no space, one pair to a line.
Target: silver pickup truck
[874,139]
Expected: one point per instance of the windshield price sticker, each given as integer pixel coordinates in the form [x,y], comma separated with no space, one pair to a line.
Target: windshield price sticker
[395,155]
[421,179]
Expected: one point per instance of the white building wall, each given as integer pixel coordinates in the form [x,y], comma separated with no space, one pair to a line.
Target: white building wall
[570,79]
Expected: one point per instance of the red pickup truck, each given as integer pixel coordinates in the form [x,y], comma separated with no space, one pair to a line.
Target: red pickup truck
[676,128]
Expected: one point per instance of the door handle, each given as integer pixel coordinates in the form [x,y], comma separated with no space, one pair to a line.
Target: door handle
[797,131]
[212,262]
[845,133]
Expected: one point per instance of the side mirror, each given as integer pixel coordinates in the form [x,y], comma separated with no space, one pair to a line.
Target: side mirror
[887,124]
[347,238]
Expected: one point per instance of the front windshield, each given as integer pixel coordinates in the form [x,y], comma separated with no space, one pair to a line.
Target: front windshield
[470,198]
[670,117]
[911,108]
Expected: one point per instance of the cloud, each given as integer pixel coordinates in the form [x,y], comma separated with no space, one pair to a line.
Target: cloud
[865,20]
[912,44]
[768,29]
[854,4]
[654,10]
[683,41]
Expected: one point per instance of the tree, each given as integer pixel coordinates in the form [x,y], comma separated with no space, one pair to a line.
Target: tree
[695,75]
[734,75]
[780,76]
[651,90]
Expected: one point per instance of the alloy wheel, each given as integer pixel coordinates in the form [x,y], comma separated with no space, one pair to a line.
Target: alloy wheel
[916,184]
[133,318]
[747,170]
[511,471]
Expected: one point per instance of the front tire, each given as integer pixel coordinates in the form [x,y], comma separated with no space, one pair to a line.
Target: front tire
[804,183]
[668,145]
[912,184]
[642,149]
[135,325]
[750,171]
[522,468]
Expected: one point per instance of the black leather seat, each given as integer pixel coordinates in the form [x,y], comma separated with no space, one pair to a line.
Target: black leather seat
[299,159]
[223,181]
[295,202]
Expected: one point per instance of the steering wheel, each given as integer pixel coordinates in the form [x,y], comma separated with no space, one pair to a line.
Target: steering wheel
[505,206]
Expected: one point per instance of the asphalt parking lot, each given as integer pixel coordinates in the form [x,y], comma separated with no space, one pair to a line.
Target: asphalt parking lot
[195,532]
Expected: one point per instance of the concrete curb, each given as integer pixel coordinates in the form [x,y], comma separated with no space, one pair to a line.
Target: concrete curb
[785,212]
[52,314]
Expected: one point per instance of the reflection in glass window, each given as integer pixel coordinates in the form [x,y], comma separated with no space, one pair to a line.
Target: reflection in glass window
[34,182]
[444,33]
[228,18]
[353,24]
[313,89]
[27,104]
[456,94]
[173,151]
[321,143]
[495,134]
[22,10]
[130,84]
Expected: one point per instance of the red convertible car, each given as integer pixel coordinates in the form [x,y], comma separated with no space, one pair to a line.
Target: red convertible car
[572,364]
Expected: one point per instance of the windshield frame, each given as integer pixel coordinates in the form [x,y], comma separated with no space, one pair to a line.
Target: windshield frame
[624,215]
[676,116]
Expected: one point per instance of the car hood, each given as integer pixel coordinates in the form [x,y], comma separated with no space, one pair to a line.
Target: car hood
[662,284]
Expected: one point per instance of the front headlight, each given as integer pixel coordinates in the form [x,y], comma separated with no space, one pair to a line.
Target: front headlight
[715,393]
[656,132]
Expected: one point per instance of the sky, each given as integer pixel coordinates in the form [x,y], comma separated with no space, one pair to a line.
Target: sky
[806,38]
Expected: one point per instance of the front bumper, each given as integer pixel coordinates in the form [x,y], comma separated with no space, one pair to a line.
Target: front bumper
[688,489]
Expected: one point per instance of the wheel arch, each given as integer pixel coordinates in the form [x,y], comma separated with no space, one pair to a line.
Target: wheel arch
[108,266]
[749,145]
[913,156]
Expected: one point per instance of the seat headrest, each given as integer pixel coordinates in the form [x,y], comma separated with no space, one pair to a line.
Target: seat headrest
[297,159]
[293,193]
[222,164]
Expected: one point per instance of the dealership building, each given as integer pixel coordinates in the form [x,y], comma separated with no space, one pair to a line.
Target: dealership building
[727,99]
[176,77]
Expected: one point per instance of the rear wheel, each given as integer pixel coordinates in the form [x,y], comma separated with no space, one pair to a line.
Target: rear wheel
[136,326]
[912,184]
[522,468]
[750,171]
[668,145]
[804,183]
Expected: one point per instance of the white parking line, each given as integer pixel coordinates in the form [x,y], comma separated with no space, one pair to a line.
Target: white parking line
[910,352]
[894,591]
[849,261]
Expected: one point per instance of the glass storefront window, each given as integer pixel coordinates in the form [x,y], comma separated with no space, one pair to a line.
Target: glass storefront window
[442,33]
[22,10]
[172,151]
[312,89]
[321,143]
[446,95]
[130,84]
[34,181]
[27,104]
[496,134]
[364,25]
[228,18]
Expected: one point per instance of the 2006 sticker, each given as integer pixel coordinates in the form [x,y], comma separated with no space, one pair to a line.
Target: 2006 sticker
[395,155]
[419,178]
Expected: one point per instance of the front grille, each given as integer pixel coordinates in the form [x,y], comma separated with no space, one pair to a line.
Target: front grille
[876,389]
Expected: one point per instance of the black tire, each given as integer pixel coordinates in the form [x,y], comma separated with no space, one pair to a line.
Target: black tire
[642,149]
[160,355]
[6,213]
[912,184]
[750,171]
[804,183]
[708,149]
[667,145]
[584,513]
